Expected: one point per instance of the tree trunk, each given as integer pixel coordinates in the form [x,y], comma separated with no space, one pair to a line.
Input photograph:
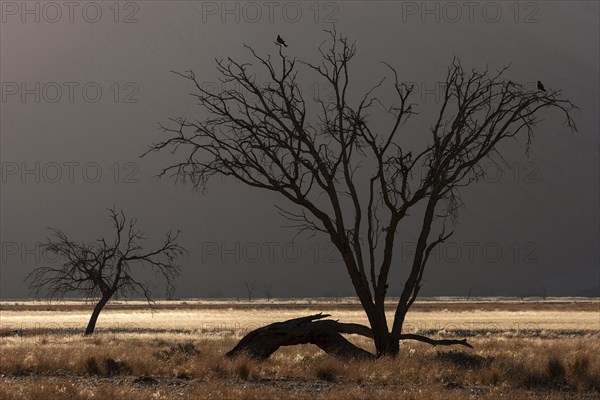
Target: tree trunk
[384,344]
[99,306]
[389,347]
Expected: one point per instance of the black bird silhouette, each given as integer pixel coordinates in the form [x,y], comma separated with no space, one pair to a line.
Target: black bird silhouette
[541,87]
[281,41]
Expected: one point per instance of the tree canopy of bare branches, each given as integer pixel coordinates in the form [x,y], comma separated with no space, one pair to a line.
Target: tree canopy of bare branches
[250,288]
[265,134]
[267,291]
[104,268]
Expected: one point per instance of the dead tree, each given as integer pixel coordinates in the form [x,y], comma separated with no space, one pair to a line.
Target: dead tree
[250,287]
[469,293]
[544,292]
[340,171]
[267,291]
[105,268]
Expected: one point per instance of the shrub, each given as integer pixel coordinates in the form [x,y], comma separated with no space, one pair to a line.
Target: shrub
[555,369]
[91,366]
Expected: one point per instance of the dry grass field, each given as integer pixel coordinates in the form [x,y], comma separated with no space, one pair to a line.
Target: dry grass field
[523,348]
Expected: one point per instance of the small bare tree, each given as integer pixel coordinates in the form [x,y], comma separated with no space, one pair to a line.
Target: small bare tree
[346,175]
[544,292]
[267,291]
[250,287]
[105,268]
[470,292]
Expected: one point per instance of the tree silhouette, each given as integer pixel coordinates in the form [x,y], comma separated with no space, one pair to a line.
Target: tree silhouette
[250,288]
[343,173]
[267,291]
[105,268]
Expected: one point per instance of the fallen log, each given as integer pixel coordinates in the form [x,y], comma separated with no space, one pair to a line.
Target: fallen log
[326,334]
[263,342]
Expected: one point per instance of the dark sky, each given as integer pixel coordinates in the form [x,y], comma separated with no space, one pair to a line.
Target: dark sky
[83,90]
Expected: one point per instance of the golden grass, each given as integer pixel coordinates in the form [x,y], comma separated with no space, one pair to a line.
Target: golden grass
[344,303]
[189,364]
[68,368]
[178,317]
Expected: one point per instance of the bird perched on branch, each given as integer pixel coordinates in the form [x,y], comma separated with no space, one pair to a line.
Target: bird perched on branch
[281,41]
[540,86]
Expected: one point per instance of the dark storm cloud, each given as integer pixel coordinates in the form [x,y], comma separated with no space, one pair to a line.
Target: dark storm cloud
[84,86]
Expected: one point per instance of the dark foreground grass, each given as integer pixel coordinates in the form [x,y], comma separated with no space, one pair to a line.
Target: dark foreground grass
[109,366]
